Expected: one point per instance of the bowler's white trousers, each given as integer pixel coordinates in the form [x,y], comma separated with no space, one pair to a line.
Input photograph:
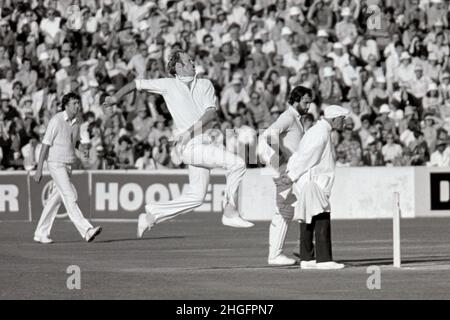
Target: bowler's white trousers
[201,156]
[65,193]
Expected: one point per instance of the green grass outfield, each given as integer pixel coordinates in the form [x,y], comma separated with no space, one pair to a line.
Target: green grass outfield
[195,257]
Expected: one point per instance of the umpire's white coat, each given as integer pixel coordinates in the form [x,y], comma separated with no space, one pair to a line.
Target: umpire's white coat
[313,165]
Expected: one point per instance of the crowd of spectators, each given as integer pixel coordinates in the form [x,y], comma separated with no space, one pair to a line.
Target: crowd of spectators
[385,60]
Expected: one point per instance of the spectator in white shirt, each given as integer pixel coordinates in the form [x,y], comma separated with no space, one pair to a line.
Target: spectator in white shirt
[190,13]
[62,77]
[432,101]
[116,68]
[439,48]
[408,136]
[431,67]
[30,152]
[351,75]
[295,59]
[419,83]
[405,71]
[146,162]
[340,58]
[284,44]
[346,31]
[231,96]
[90,24]
[391,150]
[50,26]
[138,63]
[438,27]
[6,84]
[440,157]
[269,46]
[320,47]
[142,124]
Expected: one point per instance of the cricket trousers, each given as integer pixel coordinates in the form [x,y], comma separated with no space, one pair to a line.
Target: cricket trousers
[320,230]
[201,156]
[63,192]
[280,221]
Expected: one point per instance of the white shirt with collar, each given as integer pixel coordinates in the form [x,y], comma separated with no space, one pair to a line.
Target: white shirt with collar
[185,105]
[289,127]
[59,136]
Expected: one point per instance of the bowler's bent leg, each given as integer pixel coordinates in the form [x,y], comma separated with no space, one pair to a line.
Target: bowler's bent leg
[191,198]
[211,156]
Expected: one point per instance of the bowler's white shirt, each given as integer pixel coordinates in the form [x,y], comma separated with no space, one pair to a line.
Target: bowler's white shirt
[185,105]
[59,137]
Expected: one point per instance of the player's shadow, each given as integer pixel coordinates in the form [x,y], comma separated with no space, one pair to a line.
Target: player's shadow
[140,239]
[389,261]
[124,239]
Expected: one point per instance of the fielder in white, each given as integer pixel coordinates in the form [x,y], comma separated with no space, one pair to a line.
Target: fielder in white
[311,170]
[289,130]
[192,103]
[58,148]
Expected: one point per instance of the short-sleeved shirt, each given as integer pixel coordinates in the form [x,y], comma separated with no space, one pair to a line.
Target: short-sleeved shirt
[58,136]
[390,152]
[185,105]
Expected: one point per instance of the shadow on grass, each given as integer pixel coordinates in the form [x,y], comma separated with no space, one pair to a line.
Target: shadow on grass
[389,261]
[120,240]
[140,239]
[385,261]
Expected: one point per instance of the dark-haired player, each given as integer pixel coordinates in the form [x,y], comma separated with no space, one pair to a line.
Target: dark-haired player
[58,148]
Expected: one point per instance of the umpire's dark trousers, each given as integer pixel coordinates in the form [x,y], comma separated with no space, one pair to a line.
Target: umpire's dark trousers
[320,229]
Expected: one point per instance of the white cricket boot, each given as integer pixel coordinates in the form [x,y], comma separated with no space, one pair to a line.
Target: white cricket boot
[232,218]
[145,222]
[329,265]
[311,264]
[92,233]
[281,260]
[42,239]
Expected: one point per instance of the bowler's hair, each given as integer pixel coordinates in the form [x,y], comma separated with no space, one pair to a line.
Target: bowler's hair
[173,59]
[297,94]
[67,97]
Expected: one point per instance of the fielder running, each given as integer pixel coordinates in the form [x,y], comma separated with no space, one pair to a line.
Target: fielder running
[192,103]
[58,148]
[311,170]
[289,129]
